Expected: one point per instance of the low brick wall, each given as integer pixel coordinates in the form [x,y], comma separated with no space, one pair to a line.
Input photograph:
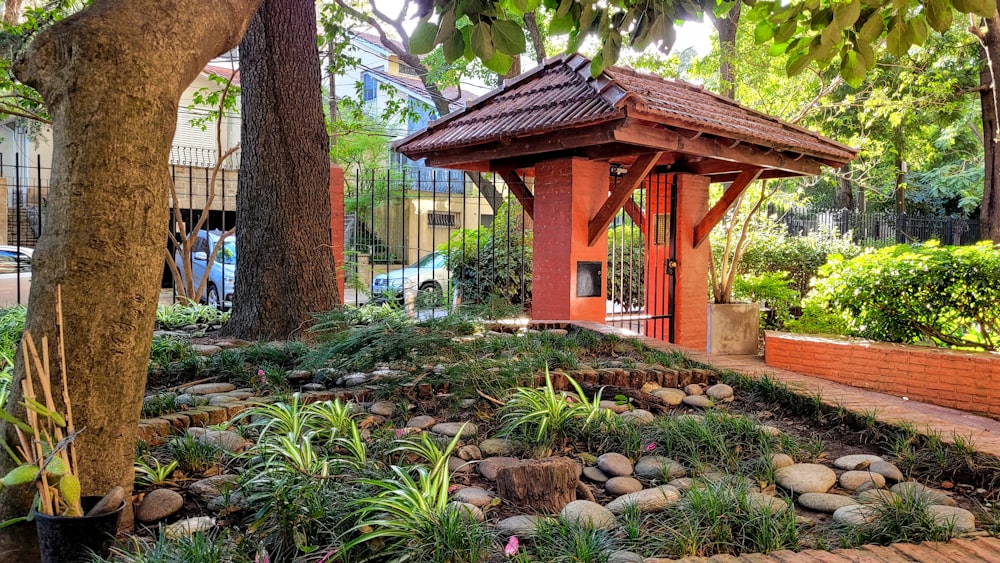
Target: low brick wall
[969,381]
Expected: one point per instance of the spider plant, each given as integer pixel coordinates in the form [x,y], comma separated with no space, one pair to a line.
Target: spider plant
[154,473]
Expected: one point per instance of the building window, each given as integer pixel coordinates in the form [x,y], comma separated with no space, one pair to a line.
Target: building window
[442,219]
[485,220]
[407,70]
[369,90]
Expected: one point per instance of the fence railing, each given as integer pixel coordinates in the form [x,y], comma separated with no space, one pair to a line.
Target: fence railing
[882,229]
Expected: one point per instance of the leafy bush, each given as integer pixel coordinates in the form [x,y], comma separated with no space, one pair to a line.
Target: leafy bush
[946,295]
[180,315]
[494,260]
[774,250]
[11,327]
[626,273]
[773,289]
[816,320]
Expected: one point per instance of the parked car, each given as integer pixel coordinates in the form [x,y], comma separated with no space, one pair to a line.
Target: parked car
[15,269]
[427,275]
[222,273]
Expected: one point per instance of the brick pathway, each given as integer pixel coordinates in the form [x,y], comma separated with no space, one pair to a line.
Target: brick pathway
[947,423]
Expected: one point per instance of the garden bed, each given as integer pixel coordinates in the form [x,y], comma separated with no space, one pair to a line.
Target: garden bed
[380,463]
[965,380]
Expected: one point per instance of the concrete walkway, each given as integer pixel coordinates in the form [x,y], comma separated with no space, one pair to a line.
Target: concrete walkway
[977,550]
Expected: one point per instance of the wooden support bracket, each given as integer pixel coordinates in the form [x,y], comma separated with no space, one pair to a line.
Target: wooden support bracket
[520,190]
[718,211]
[633,178]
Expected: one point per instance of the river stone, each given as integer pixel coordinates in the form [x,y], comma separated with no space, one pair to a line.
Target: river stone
[851,461]
[771,430]
[383,408]
[622,556]
[521,525]
[470,453]
[805,478]
[614,465]
[932,495]
[781,460]
[874,496]
[887,470]
[694,389]
[109,502]
[206,349]
[658,467]
[618,486]
[589,514]
[720,392]
[496,446]
[473,495]
[614,406]
[682,484]
[189,527]
[825,502]
[208,388]
[594,474]
[490,466]
[225,439]
[962,520]
[855,514]
[646,500]
[672,397]
[353,380]
[225,503]
[853,480]
[421,422]
[452,429]
[468,510]
[700,401]
[456,464]
[159,504]
[223,399]
[638,416]
[210,487]
[773,504]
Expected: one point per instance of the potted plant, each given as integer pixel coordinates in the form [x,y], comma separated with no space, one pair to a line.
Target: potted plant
[733,328]
[70,527]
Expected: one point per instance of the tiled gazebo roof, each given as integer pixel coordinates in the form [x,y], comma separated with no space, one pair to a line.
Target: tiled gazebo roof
[558,109]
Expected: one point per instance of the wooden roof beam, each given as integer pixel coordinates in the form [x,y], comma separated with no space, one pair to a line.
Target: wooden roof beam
[670,141]
[729,197]
[520,190]
[623,191]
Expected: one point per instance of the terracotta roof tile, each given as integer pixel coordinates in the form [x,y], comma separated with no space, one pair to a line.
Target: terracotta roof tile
[223,72]
[562,95]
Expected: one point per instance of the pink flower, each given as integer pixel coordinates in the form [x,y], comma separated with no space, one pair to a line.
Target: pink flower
[261,557]
[651,446]
[511,547]
[570,399]
[400,432]
[452,488]
[260,372]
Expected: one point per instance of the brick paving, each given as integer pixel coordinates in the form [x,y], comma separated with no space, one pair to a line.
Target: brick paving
[984,434]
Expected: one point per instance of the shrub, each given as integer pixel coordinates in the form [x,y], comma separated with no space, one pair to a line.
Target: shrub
[801,256]
[771,288]
[946,295]
[11,327]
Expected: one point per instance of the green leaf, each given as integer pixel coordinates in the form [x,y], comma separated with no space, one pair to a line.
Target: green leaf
[852,68]
[983,8]
[500,63]
[422,39]
[796,65]
[454,48]
[56,467]
[482,41]
[763,32]
[446,28]
[6,416]
[508,37]
[785,31]
[894,42]
[844,15]
[587,15]
[21,475]
[612,48]
[596,65]
[561,26]
[938,15]
[564,7]
[872,29]
[777,49]
[867,54]
[920,29]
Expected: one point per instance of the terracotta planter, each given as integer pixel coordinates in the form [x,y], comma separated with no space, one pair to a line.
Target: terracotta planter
[733,328]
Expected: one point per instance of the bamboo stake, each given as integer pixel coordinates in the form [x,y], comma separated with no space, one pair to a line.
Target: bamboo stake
[61,351]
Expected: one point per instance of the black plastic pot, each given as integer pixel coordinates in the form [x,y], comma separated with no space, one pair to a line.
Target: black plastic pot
[64,539]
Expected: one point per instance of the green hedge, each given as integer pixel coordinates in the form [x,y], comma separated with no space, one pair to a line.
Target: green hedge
[912,293]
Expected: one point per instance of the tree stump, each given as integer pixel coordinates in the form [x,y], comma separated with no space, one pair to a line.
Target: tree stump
[543,485]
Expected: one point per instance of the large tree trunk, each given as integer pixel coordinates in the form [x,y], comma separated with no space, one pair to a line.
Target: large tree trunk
[285,271]
[112,76]
[989,212]
[899,146]
[727,28]
[843,196]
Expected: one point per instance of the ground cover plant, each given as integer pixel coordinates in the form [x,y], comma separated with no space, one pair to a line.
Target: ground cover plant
[374,480]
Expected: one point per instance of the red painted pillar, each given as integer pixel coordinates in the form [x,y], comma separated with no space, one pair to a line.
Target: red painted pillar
[568,192]
[691,309]
[337,223]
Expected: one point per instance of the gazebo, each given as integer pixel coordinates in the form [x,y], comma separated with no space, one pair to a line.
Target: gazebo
[588,143]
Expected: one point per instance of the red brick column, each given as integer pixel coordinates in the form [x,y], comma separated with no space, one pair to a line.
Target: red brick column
[691,309]
[337,223]
[568,192]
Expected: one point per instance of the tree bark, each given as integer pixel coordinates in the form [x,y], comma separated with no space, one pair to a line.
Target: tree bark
[285,270]
[112,76]
[899,145]
[989,211]
[543,485]
[727,28]
[11,11]
[537,43]
[843,196]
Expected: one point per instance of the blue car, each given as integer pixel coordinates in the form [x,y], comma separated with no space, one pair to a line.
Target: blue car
[222,271]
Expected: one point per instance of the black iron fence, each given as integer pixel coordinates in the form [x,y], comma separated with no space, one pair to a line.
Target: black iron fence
[882,228]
